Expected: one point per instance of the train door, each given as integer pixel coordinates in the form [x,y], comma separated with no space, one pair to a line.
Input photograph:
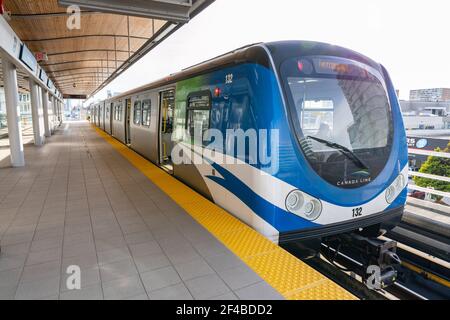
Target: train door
[98,115]
[127,121]
[167,110]
[111,118]
[102,116]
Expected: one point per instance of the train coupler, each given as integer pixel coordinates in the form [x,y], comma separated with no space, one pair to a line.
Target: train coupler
[374,260]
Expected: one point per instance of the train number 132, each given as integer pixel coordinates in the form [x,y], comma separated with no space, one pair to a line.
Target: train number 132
[357,212]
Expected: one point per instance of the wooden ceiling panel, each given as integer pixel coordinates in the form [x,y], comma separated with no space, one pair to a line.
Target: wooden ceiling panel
[102,37]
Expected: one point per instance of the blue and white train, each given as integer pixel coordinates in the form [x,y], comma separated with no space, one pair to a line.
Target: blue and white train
[339,161]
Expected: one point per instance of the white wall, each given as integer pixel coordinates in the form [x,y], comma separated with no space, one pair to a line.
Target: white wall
[414,122]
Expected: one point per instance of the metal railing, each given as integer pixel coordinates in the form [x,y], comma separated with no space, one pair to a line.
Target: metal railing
[429,153]
[429,176]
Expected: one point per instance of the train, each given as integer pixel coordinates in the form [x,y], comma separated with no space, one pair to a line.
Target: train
[300,140]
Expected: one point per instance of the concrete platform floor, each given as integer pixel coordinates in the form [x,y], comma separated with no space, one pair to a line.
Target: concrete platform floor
[79,202]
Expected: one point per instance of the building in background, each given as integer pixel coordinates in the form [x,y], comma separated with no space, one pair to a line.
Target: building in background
[430,95]
[111,94]
[420,115]
[2,109]
[24,105]
[25,108]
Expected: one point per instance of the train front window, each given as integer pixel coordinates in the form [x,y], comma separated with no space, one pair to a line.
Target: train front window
[341,112]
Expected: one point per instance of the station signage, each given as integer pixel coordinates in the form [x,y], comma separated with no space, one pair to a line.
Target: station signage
[41,56]
[27,57]
[43,76]
[417,143]
[50,83]
[426,143]
[75,96]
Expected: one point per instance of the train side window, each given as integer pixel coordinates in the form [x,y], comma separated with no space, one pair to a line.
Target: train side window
[137,113]
[115,112]
[119,112]
[146,112]
[198,114]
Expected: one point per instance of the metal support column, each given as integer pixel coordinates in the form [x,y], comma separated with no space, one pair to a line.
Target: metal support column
[58,113]
[13,112]
[37,114]
[47,129]
[61,111]
[55,115]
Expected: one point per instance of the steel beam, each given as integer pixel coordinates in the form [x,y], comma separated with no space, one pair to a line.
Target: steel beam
[75,61]
[170,10]
[85,36]
[83,51]
[47,14]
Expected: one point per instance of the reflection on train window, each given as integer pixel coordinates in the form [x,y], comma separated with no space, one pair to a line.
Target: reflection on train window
[146,107]
[198,116]
[118,112]
[318,118]
[241,115]
[137,113]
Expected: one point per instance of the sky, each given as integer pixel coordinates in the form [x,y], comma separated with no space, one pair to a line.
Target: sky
[410,38]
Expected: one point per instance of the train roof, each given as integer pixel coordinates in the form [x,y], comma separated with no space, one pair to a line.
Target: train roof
[257,53]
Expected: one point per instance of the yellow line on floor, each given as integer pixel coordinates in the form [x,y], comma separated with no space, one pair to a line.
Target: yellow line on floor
[291,277]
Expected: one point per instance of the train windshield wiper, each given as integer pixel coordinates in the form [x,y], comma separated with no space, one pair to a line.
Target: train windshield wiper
[345,151]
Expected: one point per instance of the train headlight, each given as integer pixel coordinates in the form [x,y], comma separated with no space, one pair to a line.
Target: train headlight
[303,205]
[395,189]
[313,209]
[295,201]
[390,194]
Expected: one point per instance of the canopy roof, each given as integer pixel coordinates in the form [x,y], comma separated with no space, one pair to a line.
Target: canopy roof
[82,61]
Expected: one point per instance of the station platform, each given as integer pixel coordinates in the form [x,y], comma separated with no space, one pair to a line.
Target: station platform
[86,200]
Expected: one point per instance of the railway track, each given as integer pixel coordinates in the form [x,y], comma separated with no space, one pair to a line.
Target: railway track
[421,276]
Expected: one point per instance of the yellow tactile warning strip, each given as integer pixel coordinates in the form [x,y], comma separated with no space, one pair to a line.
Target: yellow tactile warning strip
[291,277]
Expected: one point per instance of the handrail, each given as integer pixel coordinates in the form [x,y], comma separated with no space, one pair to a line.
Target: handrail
[430,153]
[445,155]
[429,176]
[431,191]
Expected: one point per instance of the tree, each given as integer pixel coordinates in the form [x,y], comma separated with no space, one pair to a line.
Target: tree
[436,166]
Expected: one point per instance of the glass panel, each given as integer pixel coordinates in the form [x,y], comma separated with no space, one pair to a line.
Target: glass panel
[198,123]
[198,117]
[137,113]
[342,115]
[167,109]
[146,105]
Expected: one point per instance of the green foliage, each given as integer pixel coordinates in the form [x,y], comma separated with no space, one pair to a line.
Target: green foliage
[436,166]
